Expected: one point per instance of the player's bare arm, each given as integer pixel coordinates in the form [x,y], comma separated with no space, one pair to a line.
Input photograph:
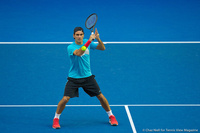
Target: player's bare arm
[101,45]
[78,52]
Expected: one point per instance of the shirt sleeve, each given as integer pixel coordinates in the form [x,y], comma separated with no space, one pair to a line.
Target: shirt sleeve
[70,50]
[93,45]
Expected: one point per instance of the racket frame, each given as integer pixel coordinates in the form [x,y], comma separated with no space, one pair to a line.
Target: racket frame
[92,27]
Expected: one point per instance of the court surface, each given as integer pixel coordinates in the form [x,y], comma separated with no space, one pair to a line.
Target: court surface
[149,71]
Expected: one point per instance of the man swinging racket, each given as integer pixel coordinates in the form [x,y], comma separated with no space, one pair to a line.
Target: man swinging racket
[80,74]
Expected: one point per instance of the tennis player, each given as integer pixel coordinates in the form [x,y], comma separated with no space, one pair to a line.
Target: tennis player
[80,74]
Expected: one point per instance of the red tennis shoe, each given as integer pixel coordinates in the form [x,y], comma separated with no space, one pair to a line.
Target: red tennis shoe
[56,124]
[113,121]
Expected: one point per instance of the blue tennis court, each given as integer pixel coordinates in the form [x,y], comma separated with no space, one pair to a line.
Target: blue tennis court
[149,71]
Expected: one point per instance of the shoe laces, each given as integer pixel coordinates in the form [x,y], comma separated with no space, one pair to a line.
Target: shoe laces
[112,118]
[56,121]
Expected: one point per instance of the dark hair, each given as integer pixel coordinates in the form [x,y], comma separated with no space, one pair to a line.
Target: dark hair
[78,29]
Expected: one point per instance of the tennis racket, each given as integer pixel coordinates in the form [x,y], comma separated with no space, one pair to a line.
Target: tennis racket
[91,22]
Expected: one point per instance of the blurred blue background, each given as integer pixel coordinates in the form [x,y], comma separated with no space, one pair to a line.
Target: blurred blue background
[122,20]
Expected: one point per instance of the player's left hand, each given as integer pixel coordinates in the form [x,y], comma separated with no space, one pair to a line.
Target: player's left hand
[96,34]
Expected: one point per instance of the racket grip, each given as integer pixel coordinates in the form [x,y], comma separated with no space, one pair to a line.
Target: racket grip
[87,43]
[92,34]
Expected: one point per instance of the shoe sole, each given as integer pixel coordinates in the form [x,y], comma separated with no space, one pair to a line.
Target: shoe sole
[113,124]
[56,127]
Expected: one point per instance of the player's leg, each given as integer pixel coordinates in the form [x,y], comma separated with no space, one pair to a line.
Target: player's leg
[61,104]
[91,87]
[106,106]
[60,108]
[71,90]
[104,102]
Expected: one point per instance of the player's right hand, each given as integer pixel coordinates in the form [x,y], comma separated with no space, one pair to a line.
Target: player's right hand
[92,37]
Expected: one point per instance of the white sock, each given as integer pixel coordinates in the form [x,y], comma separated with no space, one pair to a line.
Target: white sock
[109,113]
[57,116]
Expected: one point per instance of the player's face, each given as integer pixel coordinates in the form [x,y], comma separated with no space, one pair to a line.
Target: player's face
[78,36]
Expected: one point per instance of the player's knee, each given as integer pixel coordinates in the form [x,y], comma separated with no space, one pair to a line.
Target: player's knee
[65,99]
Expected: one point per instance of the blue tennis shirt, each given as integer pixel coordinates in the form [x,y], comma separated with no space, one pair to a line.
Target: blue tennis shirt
[80,65]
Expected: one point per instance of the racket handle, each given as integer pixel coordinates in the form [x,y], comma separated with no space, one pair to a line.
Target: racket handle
[92,34]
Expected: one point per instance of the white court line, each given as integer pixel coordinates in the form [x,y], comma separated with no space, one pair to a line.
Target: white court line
[114,42]
[153,42]
[35,42]
[130,119]
[164,105]
[131,105]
